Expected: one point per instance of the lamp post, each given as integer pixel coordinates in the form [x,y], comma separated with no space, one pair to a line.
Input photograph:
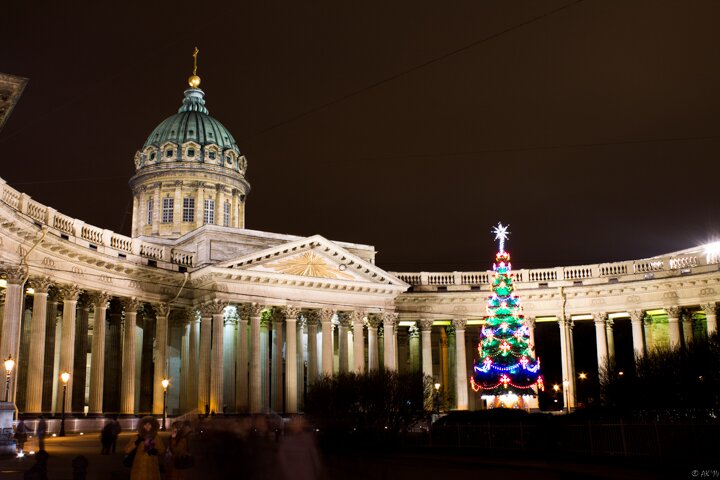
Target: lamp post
[64,376]
[165,382]
[566,394]
[9,365]
[437,398]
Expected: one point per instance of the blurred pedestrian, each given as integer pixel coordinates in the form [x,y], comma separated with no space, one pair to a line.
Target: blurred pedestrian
[40,432]
[39,470]
[21,435]
[148,449]
[106,437]
[115,431]
[178,458]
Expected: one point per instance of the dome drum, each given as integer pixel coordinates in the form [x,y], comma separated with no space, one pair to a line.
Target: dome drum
[210,154]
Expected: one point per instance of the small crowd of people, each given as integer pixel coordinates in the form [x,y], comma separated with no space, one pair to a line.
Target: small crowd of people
[147,453]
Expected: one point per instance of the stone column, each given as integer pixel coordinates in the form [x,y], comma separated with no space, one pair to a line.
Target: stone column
[229,361]
[255,392]
[204,360]
[97,356]
[357,318]
[50,343]
[461,381]
[344,324]
[610,340]
[277,361]
[67,342]
[157,208]
[177,208]
[601,340]
[265,367]
[530,323]
[162,310]
[302,362]
[711,317]
[568,365]
[326,316]
[81,351]
[234,207]
[217,309]
[193,360]
[218,203]
[184,365]
[687,327]
[414,334]
[312,318]
[389,338]
[426,340]
[636,321]
[2,311]
[374,322]
[674,325]
[291,361]
[36,359]
[241,366]
[127,382]
[647,330]
[9,345]
[200,206]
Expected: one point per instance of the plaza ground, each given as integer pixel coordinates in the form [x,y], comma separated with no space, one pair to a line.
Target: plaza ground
[269,455]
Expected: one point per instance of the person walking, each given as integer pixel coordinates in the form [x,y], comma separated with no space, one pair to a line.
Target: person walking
[21,435]
[40,432]
[114,431]
[107,436]
[148,449]
[178,457]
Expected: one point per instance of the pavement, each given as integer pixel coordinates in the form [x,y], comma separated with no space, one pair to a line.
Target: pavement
[288,458]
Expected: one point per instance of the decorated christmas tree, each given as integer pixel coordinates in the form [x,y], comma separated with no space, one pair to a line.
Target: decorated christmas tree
[505,371]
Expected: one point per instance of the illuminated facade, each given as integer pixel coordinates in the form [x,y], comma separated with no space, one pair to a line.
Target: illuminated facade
[242,321]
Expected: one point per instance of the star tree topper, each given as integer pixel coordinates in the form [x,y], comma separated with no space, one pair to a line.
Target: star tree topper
[501,233]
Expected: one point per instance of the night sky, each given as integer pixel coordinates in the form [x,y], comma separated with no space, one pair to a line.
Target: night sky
[592,127]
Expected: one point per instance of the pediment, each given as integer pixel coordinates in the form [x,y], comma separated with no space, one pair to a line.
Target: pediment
[312,258]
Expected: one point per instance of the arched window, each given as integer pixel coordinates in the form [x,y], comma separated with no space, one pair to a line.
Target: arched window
[226,213]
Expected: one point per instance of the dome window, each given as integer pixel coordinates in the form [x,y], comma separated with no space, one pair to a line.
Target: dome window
[169,152]
[191,152]
[152,156]
[211,155]
[191,132]
[228,159]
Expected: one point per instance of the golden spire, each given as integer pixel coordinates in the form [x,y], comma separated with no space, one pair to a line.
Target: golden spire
[194,80]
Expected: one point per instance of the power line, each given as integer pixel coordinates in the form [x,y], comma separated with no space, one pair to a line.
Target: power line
[419,66]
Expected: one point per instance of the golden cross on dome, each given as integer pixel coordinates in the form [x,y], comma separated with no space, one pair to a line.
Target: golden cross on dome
[194,80]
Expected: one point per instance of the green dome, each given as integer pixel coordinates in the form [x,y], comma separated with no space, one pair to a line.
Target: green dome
[192,123]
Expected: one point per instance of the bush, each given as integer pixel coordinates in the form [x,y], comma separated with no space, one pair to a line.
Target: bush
[380,400]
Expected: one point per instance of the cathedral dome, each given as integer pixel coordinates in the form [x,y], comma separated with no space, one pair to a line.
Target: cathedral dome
[191,135]
[192,123]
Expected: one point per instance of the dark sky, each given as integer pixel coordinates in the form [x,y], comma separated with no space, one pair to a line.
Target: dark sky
[592,127]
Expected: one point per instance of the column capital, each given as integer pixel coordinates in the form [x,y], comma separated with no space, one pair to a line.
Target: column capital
[413,331]
[357,316]
[459,323]
[374,320]
[190,315]
[161,309]
[312,317]
[277,315]
[600,318]
[326,315]
[15,275]
[69,293]
[673,311]
[2,296]
[637,315]
[253,309]
[425,324]
[100,299]
[291,312]
[389,318]
[709,308]
[84,301]
[213,307]
[131,305]
[41,284]
[344,319]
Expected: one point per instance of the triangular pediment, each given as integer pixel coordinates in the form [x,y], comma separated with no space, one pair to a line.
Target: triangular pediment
[312,258]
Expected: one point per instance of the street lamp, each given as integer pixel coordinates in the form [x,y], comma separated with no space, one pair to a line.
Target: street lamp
[566,394]
[165,382]
[437,397]
[9,365]
[65,377]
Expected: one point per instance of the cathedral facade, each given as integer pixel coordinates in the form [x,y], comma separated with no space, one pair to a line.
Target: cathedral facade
[244,321]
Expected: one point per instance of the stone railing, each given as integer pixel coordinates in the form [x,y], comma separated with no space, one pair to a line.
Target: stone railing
[678,263]
[90,236]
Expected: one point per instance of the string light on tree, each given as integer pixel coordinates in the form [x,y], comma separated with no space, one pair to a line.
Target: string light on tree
[506,370]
